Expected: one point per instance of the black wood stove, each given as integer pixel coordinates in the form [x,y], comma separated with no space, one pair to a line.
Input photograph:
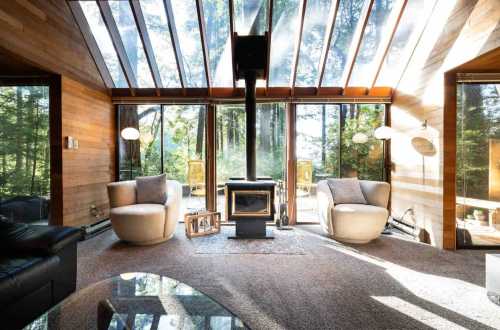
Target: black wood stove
[250,200]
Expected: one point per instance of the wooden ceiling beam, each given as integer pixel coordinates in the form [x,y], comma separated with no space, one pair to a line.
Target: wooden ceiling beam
[231,37]
[117,43]
[302,13]
[175,42]
[92,46]
[204,46]
[285,94]
[358,38]
[146,42]
[387,41]
[328,39]
[269,36]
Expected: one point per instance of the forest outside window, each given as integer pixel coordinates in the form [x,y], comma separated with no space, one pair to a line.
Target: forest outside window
[24,154]
[478,164]
[231,144]
[172,141]
[326,148]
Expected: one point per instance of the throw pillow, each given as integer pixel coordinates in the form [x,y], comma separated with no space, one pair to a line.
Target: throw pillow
[151,189]
[346,191]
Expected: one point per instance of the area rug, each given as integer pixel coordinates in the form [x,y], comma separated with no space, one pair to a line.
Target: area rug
[285,242]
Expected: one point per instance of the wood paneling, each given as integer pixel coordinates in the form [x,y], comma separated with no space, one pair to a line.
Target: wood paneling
[87,115]
[45,34]
[457,32]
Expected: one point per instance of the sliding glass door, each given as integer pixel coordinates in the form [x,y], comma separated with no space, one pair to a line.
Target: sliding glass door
[231,144]
[171,140]
[478,165]
[24,154]
[332,141]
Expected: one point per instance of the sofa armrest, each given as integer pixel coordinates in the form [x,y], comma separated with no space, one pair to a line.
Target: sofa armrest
[325,205]
[40,240]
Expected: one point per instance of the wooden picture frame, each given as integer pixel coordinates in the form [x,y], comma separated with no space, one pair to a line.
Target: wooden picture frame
[202,224]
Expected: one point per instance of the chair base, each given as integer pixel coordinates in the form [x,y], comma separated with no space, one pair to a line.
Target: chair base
[352,241]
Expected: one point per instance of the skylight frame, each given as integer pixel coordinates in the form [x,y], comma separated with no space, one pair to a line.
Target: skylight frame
[208,84]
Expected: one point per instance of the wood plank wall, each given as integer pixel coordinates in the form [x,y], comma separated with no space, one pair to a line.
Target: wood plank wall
[88,116]
[45,34]
[458,31]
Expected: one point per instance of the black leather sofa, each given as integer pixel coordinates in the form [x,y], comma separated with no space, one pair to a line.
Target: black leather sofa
[37,270]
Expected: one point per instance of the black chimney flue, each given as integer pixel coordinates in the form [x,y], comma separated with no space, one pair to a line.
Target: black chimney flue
[249,63]
[250,107]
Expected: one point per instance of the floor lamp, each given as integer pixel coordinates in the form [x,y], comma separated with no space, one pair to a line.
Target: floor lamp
[384,133]
[130,134]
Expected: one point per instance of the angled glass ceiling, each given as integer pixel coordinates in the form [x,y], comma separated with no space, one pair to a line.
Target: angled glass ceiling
[187,43]
[156,21]
[124,19]
[216,14]
[380,23]
[313,36]
[101,36]
[285,28]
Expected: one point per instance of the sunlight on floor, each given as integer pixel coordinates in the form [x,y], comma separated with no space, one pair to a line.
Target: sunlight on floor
[435,290]
[417,313]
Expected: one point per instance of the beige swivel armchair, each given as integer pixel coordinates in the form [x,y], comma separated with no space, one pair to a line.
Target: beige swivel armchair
[143,224]
[354,223]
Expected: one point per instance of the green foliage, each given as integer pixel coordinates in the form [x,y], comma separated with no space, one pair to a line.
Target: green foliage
[24,141]
[478,124]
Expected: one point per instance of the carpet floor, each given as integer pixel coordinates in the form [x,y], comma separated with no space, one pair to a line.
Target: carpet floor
[391,283]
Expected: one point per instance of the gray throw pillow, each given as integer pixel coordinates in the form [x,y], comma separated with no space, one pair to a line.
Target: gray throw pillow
[346,191]
[151,189]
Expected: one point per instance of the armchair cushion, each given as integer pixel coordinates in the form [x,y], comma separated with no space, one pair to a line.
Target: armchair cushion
[152,189]
[346,191]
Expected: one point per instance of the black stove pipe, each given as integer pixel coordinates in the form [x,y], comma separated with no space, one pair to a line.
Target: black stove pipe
[250,106]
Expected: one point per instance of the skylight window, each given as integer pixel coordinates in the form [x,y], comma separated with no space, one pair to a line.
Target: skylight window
[313,37]
[218,37]
[186,23]
[383,18]
[346,24]
[124,19]
[285,26]
[250,16]
[103,40]
[412,23]
[188,43]
[157,25]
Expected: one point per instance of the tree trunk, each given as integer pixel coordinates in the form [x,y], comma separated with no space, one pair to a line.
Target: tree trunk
[200,132]
[19,140]
[265,137]
[35,148]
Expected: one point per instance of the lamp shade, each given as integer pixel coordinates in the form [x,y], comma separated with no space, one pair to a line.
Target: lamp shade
[383,133]
[130,133]
[359,138]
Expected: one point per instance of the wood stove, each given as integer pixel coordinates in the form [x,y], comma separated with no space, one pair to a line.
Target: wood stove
[250,201]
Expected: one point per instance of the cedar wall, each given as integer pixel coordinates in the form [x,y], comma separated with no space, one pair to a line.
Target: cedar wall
[44,34]
[458,31]
[88,116]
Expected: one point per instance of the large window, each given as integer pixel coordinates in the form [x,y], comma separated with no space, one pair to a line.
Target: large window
[171,141]
[478,159]
[24,154]
[231,144]
[335,141]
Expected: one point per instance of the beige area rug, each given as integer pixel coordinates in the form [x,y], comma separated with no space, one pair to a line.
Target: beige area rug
[288,242]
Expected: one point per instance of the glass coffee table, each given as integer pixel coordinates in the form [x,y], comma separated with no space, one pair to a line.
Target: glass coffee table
[138,301]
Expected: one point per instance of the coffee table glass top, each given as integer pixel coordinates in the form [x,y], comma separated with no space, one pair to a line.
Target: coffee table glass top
[138,301]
